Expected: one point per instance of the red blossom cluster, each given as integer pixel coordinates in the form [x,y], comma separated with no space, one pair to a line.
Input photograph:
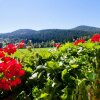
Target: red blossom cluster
[10,69]
[1,53]
[10,49]
[21,44]
[95,38]
[79,41]
[57,45]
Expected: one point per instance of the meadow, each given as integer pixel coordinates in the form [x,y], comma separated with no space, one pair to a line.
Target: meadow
[25,51]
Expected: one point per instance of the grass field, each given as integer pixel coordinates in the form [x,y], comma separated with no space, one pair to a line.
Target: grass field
[27,52]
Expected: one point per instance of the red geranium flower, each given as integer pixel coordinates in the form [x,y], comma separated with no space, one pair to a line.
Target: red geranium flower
[15,82]
[21,44]
[57,45]
[11,70]
[3,84]
[95,38]
[2,53]
[10,49]
[79,41]
[6,59]
[2,67]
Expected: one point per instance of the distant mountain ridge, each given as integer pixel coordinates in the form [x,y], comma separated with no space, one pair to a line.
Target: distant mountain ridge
[87,28]
[58,35]
[81,28]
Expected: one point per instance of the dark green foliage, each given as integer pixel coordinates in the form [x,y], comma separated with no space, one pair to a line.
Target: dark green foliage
[68,73]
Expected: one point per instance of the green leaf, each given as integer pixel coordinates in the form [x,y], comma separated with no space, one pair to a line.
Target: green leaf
[52,66]
[65,94]
[91,76]
[28,69]
[74,66]
[89,45]
[64,72]
[1,75]
[82,90]
[43,95]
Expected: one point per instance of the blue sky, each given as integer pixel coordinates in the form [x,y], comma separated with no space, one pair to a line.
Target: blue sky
[48,14]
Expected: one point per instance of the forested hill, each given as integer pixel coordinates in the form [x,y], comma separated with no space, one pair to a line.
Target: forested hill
[87,28]
[58,35]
